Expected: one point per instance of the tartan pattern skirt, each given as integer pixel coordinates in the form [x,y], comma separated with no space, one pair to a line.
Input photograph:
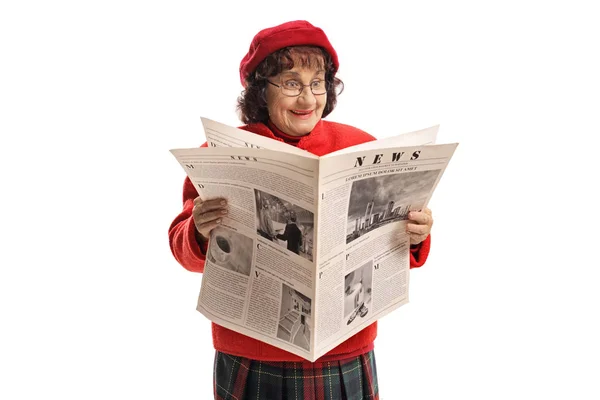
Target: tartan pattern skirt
[239,378]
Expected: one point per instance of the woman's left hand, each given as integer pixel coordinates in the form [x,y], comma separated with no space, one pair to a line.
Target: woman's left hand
[419,225]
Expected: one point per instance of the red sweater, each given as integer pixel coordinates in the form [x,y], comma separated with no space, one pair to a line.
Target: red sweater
[325,138]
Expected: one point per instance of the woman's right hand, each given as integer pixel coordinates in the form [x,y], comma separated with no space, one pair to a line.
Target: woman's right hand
[208,214]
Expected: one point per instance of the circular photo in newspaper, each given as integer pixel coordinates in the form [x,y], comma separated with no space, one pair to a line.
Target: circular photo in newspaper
[231,250]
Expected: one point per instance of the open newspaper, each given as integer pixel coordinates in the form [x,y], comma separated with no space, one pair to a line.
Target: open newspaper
[313,249]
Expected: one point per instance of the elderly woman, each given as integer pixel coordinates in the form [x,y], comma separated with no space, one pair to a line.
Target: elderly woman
[289,76]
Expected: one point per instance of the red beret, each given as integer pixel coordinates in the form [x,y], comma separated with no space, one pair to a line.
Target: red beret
[293,33]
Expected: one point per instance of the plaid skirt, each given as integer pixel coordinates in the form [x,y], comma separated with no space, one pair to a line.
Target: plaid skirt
[238,378]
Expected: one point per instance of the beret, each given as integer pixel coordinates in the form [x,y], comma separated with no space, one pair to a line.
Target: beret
[293,33]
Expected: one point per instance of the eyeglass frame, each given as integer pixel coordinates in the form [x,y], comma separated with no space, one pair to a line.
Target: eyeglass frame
[302,89]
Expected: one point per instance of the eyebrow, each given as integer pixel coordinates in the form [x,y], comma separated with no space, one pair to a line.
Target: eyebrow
[321,71]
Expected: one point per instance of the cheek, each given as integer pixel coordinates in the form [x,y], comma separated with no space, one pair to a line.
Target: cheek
[273,102]
[322,102]
[279,105]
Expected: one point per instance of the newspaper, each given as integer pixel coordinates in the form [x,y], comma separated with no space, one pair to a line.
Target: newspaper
[313,249]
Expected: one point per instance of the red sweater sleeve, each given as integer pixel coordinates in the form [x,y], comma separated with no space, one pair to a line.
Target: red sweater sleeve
[418,255]
[182,233]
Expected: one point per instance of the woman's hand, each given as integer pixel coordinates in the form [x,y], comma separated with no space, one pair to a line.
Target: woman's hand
[208,214]
[419,225]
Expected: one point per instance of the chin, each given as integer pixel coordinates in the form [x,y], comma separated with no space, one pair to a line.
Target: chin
[305,129]
[302,132]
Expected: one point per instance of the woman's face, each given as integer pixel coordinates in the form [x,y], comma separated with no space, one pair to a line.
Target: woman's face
[296,116]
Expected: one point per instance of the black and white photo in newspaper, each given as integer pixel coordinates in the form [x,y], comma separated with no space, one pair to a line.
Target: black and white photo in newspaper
[295,318]
[284,223]
[382,199]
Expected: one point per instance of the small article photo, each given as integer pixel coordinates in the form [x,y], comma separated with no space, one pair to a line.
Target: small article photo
[380,200]
[231,250]
[358,286]
[295,318]
[284,223]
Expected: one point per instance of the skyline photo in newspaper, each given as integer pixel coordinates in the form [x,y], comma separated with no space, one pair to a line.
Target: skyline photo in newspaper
[383,199]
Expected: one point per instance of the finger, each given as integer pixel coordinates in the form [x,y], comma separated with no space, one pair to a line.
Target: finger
[205,228]
[201,217]
[201,220]
[416,239]
[418,229]
[210,204]
[420,217]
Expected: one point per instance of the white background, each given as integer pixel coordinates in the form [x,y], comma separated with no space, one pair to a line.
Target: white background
[94,94]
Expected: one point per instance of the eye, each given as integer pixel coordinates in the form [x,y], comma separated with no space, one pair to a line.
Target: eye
[317,84]
[291,84]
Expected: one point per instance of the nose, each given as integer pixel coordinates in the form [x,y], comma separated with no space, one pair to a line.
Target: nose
[307,97]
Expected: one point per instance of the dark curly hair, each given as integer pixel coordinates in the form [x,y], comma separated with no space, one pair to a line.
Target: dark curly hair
[252,103]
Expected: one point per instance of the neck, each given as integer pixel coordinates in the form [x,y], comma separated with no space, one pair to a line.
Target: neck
[279,133]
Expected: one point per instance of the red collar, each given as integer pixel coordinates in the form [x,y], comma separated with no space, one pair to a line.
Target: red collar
[316,142]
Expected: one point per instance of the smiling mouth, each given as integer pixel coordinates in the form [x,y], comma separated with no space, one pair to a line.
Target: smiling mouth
[301,112]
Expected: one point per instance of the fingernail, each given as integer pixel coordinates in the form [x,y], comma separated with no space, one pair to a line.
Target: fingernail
[223,211]
[219,221]
[223,202]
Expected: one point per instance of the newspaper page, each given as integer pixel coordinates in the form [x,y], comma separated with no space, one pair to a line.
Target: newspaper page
[221,135]
[259,273]
[363,250]
[421,137]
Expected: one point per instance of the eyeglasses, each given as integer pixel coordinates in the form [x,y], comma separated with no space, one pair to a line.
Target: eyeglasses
[293,88]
